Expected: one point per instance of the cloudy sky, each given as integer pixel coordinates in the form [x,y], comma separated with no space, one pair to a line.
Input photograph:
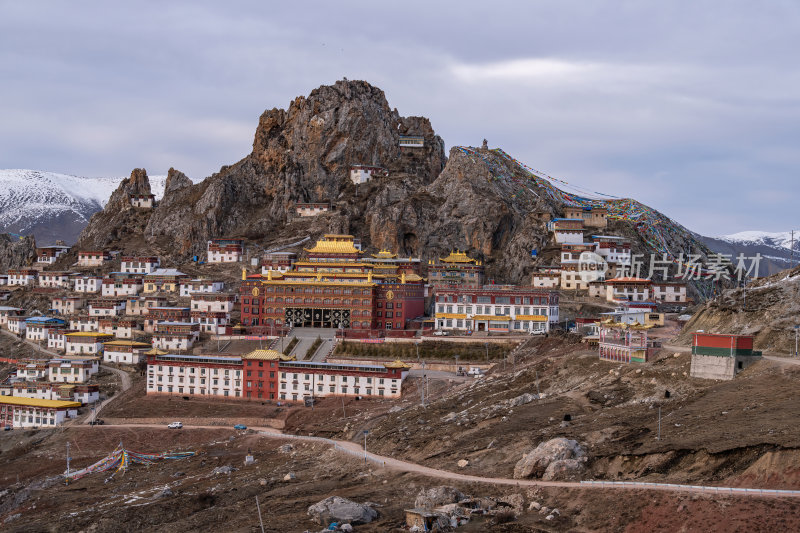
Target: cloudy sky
[692,107]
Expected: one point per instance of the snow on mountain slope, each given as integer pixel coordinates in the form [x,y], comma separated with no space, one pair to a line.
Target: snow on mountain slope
[54,206]
[781,239]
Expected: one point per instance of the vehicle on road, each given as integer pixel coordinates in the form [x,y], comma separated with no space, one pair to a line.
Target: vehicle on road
[97,422]
[8,428]
[175,425]
[475,371]
[239,426]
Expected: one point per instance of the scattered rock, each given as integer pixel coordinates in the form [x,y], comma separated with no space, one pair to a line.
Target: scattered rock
[437,496]
[549,517]
[262,482]
[534,506]
[164,493]
[286,448]
[346,527]
[463,463]
[223,470]
[289,477]
[338,509]
[179,474]
[522,399]
[515,501]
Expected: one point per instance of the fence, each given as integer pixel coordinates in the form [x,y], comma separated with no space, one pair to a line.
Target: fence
[692,488]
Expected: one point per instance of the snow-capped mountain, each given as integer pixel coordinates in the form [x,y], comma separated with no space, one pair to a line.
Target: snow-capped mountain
[54,206]
[775,248]
[781,239]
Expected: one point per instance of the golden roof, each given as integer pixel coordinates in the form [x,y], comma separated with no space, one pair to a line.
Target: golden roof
[397,364]
[132,344]
[384,254]
[36,402]
[457,257]
[156,351]
[268,355]
[334,244]
[87,334]
[413,277]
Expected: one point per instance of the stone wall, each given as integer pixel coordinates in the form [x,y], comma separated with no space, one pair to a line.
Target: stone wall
[719,367]
[201,421]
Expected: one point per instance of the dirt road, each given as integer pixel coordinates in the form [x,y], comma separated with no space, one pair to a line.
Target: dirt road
[356,450]
[125,384]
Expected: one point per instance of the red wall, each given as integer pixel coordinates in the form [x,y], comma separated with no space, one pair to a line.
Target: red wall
[712,340]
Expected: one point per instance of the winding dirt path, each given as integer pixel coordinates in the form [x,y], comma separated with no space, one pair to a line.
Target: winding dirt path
[356,450]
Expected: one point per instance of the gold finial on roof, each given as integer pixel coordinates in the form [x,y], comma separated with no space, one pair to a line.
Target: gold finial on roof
[244,274]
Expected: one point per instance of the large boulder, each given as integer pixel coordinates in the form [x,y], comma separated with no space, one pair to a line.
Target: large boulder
[338,509]
[565,469]
[437,496]
[535,463]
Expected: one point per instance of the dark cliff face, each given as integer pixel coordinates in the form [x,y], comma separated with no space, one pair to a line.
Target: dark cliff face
[302,154]
[476,201]
[16,252]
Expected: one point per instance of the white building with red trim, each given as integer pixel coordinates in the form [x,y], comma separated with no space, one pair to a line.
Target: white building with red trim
[22,277]
[93,258]
[56,280]
[189,287]
[213,302]
[119,286]
[87,284]
[194,375]
[139,265]
[225,250]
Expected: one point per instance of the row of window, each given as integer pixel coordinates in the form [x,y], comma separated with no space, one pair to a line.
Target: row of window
[503,300]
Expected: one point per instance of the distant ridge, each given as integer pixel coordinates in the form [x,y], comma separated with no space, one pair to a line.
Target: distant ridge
[53,206]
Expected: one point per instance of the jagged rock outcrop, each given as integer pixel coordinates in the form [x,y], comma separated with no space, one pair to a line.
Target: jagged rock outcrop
[16,252]
[479,200]
[301,154]
[119,222]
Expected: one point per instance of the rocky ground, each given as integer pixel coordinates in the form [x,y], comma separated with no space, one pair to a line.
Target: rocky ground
[512,422]
[767,308]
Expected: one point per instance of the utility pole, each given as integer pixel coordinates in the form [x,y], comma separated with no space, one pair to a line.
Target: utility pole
[67,479]
[539,394]
[344,413]
[422,387]
[259,515]
[365,446]
[486,344]
[796,329]
[659,423]
[791,247]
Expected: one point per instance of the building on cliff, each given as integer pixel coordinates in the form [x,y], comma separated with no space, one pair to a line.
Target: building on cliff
[456,269]
[48,254]
[143,201]
[224,250]
[363,173]
[312,209]
[93,258]
[566,230]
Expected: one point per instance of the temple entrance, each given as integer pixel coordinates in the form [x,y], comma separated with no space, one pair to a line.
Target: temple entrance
[318,318]
[481,326]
